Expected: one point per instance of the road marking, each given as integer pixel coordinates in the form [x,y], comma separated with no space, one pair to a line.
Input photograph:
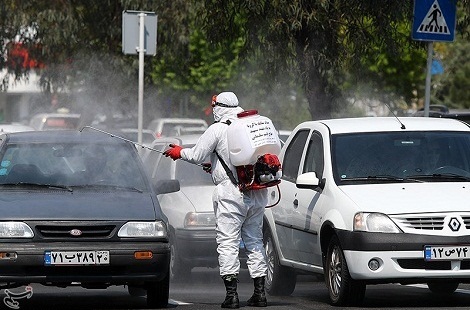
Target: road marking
[178,303]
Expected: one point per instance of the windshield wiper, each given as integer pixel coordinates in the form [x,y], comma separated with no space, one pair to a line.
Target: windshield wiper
[439,176]
[68,188]
[384,178]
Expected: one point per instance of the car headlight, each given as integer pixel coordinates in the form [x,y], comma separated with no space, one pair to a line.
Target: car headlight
[143,229]
[199,219]
[374,222]
[15,230]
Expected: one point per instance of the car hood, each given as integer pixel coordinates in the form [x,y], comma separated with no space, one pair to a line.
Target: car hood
[79,205]
[410,197]
[199,196]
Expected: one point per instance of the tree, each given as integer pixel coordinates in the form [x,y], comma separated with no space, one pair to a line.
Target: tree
[79,43]
[320,40]
[318,45]
[451,87]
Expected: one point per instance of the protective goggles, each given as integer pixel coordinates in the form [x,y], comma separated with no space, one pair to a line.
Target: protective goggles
[214,103]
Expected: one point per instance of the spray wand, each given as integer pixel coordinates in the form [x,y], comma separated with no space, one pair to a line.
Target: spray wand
[133,142]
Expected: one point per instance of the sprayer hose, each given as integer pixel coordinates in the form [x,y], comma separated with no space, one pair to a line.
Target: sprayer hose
[279,198]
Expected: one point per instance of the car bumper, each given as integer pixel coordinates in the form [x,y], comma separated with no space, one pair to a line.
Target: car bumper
[123,268]
[401,257]
[198,248]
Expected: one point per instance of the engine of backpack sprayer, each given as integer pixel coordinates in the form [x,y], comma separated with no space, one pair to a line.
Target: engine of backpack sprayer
[266,172]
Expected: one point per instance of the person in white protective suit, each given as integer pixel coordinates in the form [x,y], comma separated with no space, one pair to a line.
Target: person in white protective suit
[238,214]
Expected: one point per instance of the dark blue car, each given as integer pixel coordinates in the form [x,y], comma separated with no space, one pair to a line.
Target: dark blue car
[77,207]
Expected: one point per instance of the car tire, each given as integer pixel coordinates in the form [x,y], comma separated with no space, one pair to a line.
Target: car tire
[443,288]
[280,280]
[158,293]
[178,269]
[343,290]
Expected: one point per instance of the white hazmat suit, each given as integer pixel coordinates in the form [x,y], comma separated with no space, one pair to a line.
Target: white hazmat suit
[238,215]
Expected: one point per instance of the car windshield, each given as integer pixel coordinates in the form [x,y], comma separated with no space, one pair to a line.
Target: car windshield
[70,164]
[190,174]
[401,156]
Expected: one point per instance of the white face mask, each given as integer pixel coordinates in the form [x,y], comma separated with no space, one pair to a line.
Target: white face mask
[217,113]
[221,113]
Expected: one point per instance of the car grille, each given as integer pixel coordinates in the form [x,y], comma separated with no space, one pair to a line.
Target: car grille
[435,223]
[64,231]
[425,223]
[466,221]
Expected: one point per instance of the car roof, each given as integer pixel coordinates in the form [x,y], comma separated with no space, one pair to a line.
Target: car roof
[180,119]
[65,115]
[155,123]
[61,136]
[389,124]
[12,127]
[180,140]
[134,130]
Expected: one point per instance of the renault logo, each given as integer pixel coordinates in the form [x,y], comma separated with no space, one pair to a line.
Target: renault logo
[76,232]
[454,224]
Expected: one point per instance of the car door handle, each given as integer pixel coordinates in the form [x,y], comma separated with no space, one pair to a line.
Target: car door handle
[296,203]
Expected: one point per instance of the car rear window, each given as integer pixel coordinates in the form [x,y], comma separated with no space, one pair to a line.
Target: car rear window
[71,164]
[61,123]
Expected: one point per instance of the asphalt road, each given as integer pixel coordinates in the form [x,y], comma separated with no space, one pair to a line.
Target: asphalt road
[204,290]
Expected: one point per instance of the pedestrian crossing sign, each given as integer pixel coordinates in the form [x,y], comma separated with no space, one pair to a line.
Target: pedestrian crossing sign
[434,20]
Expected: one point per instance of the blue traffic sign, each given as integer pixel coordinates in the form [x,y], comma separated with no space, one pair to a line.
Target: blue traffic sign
[434,20]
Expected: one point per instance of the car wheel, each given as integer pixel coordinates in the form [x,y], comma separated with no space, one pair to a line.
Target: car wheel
[158,293]
[443,288]
[178,270]
[280,280]
[343,290]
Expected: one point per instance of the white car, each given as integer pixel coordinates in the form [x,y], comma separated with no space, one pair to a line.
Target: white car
[133,134]
[165,127]
[15,127]
[371,201]
[190,212]
[284,135]
[55,121]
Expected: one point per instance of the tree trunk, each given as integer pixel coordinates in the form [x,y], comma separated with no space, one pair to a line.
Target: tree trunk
[320,102]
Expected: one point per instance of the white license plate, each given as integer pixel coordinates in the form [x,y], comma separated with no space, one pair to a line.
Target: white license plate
[453,252]
[76,258]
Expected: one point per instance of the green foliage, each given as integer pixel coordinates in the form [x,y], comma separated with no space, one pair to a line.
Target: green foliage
[392,76]
[318,41]
[294,59]
[451,87]
[205,69]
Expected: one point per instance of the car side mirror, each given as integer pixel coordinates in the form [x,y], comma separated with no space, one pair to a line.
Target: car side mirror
[308,180]
[166,186]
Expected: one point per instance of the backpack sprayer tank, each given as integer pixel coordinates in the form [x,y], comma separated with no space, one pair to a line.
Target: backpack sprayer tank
[253,145]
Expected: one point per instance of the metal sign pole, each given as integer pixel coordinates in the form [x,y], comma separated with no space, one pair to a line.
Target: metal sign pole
[134,28]
[427,93]
[141,75]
